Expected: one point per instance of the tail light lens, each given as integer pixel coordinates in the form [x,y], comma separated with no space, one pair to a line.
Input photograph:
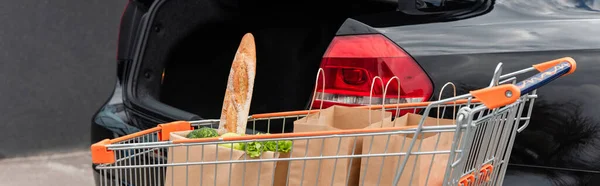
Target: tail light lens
[350,64]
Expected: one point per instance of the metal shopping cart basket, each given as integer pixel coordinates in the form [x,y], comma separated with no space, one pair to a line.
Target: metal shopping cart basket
[473,149]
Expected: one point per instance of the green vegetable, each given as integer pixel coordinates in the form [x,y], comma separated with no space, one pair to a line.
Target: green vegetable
[236,146]
[254,149]
[278,146]
[229,134]
[203,132]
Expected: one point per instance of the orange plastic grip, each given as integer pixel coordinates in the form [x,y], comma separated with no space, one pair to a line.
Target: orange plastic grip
[467,180]
[486,172]
[167,128]
[101,154]
[541,67]
[494,97]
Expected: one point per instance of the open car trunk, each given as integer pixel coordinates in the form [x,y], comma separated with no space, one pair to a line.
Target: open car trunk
[187,47]
[287,62]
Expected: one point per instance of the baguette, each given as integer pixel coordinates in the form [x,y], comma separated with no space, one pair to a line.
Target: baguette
[238,95]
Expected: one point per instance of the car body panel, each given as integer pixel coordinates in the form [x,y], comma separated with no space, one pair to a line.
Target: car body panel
[504,29]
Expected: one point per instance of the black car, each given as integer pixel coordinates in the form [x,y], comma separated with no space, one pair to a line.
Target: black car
[174,57]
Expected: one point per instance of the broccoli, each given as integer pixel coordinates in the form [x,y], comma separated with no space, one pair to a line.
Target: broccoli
[203,132]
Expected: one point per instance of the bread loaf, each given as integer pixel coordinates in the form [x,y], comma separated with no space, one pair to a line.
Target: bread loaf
[236,105]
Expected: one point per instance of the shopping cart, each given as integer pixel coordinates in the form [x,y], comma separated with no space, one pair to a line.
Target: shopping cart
[481,137]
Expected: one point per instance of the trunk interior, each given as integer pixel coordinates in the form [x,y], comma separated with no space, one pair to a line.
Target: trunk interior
[290,40]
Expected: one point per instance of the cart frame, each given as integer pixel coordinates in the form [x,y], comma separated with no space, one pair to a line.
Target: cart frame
[491,115]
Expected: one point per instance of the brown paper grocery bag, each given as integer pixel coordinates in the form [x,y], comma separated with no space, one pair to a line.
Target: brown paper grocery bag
[382,170]
[434,165]
[257,173]
[330,171]
[281,170]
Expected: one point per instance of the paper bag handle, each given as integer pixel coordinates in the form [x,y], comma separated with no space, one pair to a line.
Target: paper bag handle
[398,98]
[440,98]
[371,99]
[322,73]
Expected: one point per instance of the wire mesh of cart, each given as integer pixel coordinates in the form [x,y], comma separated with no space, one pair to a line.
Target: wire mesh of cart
[397,147]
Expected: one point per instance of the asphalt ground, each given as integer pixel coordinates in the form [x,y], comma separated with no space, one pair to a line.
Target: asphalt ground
[62,169]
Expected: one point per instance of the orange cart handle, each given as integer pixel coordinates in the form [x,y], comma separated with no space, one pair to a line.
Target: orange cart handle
[498,96]
[549,71]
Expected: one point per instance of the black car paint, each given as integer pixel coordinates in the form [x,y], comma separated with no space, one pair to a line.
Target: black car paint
[111,120]
[561,144]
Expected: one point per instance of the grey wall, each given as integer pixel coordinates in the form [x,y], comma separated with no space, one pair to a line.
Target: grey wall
[57,66]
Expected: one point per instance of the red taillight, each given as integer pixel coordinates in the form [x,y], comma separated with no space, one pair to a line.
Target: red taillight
[351,62]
